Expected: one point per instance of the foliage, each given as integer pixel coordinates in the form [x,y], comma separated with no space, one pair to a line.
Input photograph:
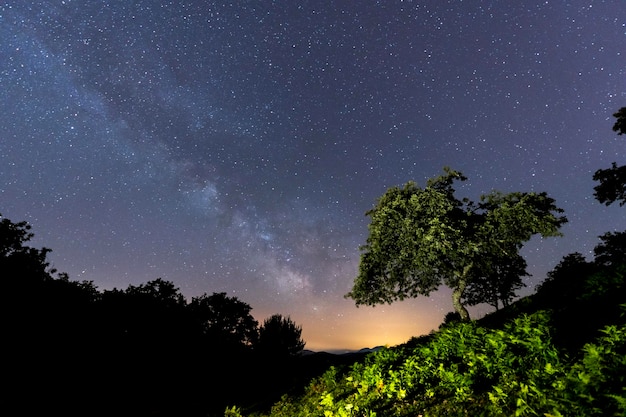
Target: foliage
[513,366]
[158,290]
[450,318]
[612,185]
[620,123]
[595,385]
[13,236]
[17,257]
[144,348]
[466,369]
[566,279]
[280,336]
[498,282]
[421,238]
[150,352]
[225,318]
[612,250]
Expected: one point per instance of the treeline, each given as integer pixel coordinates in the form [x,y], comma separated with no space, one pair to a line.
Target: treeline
[144,350]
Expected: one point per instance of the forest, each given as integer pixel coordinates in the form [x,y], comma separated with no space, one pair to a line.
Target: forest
[145,350]
[71,349]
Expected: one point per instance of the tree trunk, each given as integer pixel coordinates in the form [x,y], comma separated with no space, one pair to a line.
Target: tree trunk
[457,293]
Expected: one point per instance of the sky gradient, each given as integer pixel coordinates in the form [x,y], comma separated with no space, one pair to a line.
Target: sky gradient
[236,147]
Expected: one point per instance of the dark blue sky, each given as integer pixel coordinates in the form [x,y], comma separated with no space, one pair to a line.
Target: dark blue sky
[236,147]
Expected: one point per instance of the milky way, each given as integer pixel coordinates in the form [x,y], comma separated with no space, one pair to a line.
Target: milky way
[236,147]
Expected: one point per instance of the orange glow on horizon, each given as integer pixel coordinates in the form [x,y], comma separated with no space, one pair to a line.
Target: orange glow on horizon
[353,328]
[367,327]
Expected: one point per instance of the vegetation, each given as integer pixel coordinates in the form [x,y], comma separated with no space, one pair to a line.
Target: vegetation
[143,350]
[280,336]
[421,238]
[498,283]
[519,361]
[612,185]
[73,350]
[558,352]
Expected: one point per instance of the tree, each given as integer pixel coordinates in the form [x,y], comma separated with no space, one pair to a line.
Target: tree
[280,336]
[13,236]
[23,263]
[226,320]
[498,281]
[612,251]
[620,123]
[158,291]
[421,238]
[147,312]
[566,280]
[571,264]
[612,185]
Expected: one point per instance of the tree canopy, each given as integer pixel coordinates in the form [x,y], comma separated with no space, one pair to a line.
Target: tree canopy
[147,339]
[280,336]
[421,238]
[620,123]
[498,281]
[225,318]
[612,181]
[18,259]
[612,250]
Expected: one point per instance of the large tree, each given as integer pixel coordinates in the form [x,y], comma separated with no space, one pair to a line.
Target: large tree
[280,337]
[612,181]
[421,238]
[227,320]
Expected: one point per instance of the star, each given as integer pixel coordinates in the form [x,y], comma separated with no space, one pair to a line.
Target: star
[236,147]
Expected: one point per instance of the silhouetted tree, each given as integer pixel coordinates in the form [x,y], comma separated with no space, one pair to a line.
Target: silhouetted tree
[38,297]
[450,318]
[566,280]
[612,251]
[620,123]
[147,313]
[49,329]
[13,236]
[612,185]
[280,336]
[497,282]
[421,238]
[159,291]
[19,263]
[226,320]
[572,263]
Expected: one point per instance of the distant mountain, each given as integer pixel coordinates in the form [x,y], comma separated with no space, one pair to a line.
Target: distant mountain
[370,350]
[307,352]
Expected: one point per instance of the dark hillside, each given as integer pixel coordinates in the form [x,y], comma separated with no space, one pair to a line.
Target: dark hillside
[559,352]
[144,351]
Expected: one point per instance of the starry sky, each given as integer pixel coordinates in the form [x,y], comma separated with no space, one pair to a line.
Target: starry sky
[235,146]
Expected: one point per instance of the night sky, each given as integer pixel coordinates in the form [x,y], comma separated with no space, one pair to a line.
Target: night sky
[235,147]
